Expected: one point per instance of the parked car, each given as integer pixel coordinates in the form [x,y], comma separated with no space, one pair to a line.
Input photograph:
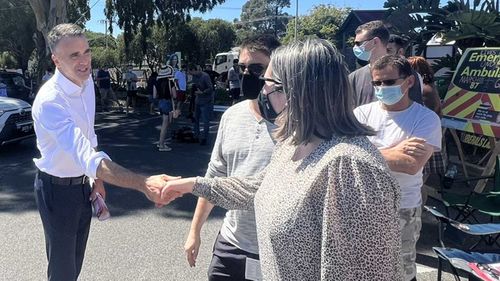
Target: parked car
[16,123]
[16,86]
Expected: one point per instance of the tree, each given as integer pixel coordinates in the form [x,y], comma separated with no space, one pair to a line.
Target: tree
[264,16]
[198,41]
[136,16]
[49,13]
[323,22]
[475,24]
[214,36]
[17,28]
[104,49]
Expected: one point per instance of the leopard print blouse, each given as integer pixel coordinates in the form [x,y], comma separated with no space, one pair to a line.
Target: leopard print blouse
[330,216]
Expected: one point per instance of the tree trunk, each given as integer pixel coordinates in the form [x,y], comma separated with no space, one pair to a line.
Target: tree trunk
[48,13]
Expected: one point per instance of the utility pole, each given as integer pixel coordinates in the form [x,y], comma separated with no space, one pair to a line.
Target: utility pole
[296,17]
[276,23]
[105,21]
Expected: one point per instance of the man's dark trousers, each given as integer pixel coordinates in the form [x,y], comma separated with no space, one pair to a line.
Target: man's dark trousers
[66,212]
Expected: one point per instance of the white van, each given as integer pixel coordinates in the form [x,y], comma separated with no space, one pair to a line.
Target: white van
[224,61]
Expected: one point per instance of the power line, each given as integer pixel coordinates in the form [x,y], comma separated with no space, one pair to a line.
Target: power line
[88,10]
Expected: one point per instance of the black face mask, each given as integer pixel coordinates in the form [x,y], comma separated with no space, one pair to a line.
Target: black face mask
[251,86]
[266,109]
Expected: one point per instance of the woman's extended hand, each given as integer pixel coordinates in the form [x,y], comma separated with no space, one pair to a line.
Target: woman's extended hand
[176,188]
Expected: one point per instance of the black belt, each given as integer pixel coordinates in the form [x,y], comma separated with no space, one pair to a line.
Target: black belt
[64,181]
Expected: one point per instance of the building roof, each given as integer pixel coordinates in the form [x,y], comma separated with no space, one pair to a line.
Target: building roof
[369,15]
[363,16]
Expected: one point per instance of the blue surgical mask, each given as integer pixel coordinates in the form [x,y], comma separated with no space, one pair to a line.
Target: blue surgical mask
[388,95]
[361,53]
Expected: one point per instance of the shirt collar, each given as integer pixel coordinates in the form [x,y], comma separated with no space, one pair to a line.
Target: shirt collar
[67,85]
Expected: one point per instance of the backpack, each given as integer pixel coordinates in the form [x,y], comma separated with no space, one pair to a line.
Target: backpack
[185,134]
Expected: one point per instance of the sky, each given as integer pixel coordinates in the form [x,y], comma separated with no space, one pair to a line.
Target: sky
[231,9]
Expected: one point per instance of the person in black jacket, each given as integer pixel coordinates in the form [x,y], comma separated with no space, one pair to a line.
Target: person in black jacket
[164,91]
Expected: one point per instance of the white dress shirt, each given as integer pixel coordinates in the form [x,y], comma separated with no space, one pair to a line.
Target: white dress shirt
[63,115]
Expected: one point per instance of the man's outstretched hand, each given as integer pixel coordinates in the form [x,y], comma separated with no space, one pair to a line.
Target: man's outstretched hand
[154,186]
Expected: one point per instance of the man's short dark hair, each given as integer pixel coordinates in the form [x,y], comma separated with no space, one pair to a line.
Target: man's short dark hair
[264,43]
[61,31]
[235,61]
[398,40]
[395,61]
[375,28]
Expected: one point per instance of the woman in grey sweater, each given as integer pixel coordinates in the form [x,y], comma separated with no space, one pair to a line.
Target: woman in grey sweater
[326,206]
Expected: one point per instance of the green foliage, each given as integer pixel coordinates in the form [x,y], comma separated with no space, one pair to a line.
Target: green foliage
[475,24]
[139,16]
[78,11]
[323,22]
[198,41]
[8,61]
[17,28]
[213,36]
[263,17]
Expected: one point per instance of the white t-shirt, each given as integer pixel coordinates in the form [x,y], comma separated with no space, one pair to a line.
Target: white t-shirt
[131,80]
[392,127]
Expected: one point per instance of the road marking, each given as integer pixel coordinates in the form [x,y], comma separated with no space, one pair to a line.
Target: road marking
[424,269]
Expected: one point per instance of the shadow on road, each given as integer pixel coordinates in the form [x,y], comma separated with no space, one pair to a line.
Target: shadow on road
[130,143]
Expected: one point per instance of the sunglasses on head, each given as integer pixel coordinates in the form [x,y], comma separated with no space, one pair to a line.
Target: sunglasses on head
[254,68]
[388,82]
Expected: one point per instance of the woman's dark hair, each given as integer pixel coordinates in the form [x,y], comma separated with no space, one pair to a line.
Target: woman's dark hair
[420,65]
[318,92]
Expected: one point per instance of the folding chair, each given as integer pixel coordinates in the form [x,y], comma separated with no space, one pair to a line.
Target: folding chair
[459,259]
[485,202]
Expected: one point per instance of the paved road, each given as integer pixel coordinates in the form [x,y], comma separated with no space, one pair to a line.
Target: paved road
[139,242]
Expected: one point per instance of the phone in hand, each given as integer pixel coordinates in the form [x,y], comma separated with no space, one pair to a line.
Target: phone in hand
[100,208]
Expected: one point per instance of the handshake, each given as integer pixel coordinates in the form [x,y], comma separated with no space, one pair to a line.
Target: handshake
[163,189]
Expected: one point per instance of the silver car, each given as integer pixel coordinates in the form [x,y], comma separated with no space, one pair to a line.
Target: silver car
[16,122]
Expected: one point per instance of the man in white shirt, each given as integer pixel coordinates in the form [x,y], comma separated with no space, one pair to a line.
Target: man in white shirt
[63,114]
[407,135]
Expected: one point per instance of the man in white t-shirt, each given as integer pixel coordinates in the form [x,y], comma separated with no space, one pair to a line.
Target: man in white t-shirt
[407,135]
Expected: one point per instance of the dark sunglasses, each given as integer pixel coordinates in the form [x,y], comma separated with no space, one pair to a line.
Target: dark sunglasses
[254,68]
[388,82]
[359,43]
